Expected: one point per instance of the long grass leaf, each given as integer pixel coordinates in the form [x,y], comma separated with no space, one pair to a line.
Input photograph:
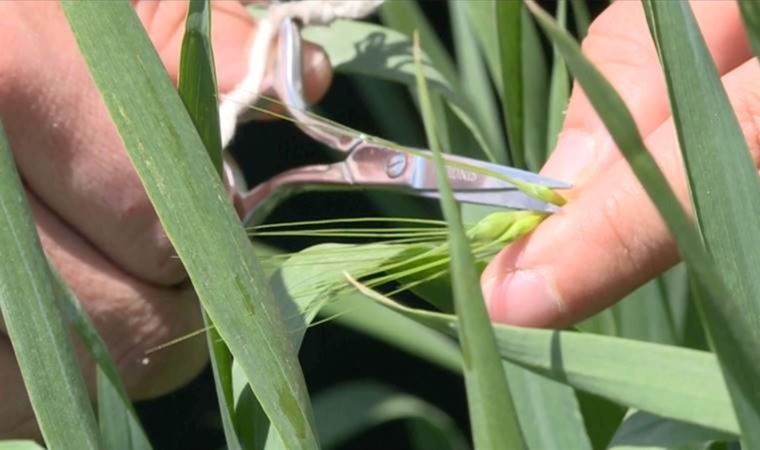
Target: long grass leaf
[493,421]
[350,408]
[32,319]
[732,335]
[535,99]
[673,382]
[725,189]
[475,80]
[750,12]
[118,421]
[198,91]
[193,208]
[509,30]
[582,17]
[536,397]
[559,88]
[482,17]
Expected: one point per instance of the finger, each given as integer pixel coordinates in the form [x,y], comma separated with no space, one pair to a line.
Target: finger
[609,240]
[232,31]
[131,316]
[621,47]
[68,150]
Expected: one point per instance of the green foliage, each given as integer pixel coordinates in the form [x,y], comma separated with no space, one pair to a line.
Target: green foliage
[724,189]
[494,423]
[28,293]
[526,388]
[198,91]
[170,158]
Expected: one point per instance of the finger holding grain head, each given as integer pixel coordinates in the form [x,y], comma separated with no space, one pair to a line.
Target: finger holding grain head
[609,239]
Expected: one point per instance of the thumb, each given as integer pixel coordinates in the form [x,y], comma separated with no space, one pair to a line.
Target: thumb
[232,32]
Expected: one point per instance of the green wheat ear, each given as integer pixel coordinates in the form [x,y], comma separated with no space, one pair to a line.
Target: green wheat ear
[504,226]
[539,192]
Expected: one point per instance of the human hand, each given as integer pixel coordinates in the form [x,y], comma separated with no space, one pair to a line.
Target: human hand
[609,238]
[93,216]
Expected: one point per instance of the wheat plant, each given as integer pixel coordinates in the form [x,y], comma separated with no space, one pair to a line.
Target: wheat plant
[673,366]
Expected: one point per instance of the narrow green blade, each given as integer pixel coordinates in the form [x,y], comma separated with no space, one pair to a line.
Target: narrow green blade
[536,92]
[493,420]
[193,207]
[509,30]
[559,88]
[537,401]
[197,89]
[582,17]
[674,382]
[475,80]
[32,318]
[482,17]
[725,190]
[197,78]
[750,11]
[119,423]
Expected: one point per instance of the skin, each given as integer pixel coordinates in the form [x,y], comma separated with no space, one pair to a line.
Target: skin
[93,216]
[609,239]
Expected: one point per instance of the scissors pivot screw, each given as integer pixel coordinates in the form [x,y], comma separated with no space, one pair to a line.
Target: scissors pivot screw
[396,165]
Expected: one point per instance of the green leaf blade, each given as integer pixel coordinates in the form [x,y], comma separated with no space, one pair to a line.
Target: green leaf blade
[198,89]
[494,423]
[509,30]
[40,340]
[724,188]
[194,209]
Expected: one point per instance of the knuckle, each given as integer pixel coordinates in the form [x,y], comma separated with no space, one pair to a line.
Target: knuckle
[626,237]
[611,48]
[151,256]
[610,44]
[136,323]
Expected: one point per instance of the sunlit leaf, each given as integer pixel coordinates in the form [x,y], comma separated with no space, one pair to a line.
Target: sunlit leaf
[493,421]
[724,188]
[673,382]
[34,325]
[198,91]
[193,208]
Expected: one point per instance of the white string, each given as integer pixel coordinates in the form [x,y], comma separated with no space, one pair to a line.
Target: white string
[308,12]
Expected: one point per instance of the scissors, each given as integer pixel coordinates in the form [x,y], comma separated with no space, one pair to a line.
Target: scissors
[366,163]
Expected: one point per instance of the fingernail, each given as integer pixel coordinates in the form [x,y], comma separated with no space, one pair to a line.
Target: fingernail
[524,297]
[574,154]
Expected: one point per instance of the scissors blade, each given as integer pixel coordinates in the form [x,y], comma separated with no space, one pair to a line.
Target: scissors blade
[424,175]
[502,199]
[511,172]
